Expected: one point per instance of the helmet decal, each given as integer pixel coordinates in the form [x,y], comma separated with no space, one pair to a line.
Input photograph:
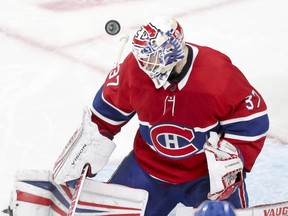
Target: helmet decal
[157,47]
[174,51]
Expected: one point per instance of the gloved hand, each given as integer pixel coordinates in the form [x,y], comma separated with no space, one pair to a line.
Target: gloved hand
[224,165]
[86,147]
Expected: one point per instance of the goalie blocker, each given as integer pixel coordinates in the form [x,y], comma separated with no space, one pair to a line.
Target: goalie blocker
[35,193]
[86,147]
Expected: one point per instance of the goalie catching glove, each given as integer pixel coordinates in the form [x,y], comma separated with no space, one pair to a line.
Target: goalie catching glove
[225,167]
[86,147]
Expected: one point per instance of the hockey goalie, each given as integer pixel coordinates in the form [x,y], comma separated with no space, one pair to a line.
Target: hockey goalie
[202,126]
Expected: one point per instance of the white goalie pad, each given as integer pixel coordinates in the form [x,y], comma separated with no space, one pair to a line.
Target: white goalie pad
[87,146]
[36,194]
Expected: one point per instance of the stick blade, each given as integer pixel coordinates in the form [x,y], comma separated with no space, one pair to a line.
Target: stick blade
[8,211]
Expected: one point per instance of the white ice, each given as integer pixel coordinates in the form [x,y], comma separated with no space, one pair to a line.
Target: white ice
[55,54]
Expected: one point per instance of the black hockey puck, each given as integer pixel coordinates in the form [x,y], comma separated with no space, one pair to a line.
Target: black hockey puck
[112,27]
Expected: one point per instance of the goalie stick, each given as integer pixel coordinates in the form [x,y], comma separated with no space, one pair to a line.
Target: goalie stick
[77,191]
[80,182]
[272,209]
[123,40]
[8,211]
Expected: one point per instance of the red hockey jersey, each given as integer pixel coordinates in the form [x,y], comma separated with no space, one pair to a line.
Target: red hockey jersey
[175,120]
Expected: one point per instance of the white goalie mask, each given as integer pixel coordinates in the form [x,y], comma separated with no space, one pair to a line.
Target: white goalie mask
[157,47]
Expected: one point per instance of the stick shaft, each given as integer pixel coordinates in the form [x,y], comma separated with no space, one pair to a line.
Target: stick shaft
[77,192]
[123,40]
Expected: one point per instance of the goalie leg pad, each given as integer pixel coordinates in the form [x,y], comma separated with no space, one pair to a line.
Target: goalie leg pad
[36,194]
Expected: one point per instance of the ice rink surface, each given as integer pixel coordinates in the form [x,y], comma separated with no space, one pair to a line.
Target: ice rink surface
[55,55]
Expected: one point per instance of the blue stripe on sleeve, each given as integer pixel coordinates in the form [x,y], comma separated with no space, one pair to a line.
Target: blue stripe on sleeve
[251,128]
[108,111]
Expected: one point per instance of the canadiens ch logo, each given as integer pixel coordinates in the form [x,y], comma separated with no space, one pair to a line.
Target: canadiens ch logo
[173,140]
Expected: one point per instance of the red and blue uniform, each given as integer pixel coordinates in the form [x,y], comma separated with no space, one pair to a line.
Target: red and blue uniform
[210,94]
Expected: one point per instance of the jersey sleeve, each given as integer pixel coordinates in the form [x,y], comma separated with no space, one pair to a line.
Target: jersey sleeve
[111,108]
[245,123]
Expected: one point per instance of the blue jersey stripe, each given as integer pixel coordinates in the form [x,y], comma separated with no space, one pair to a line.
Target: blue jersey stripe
[108,111]
[255,127]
